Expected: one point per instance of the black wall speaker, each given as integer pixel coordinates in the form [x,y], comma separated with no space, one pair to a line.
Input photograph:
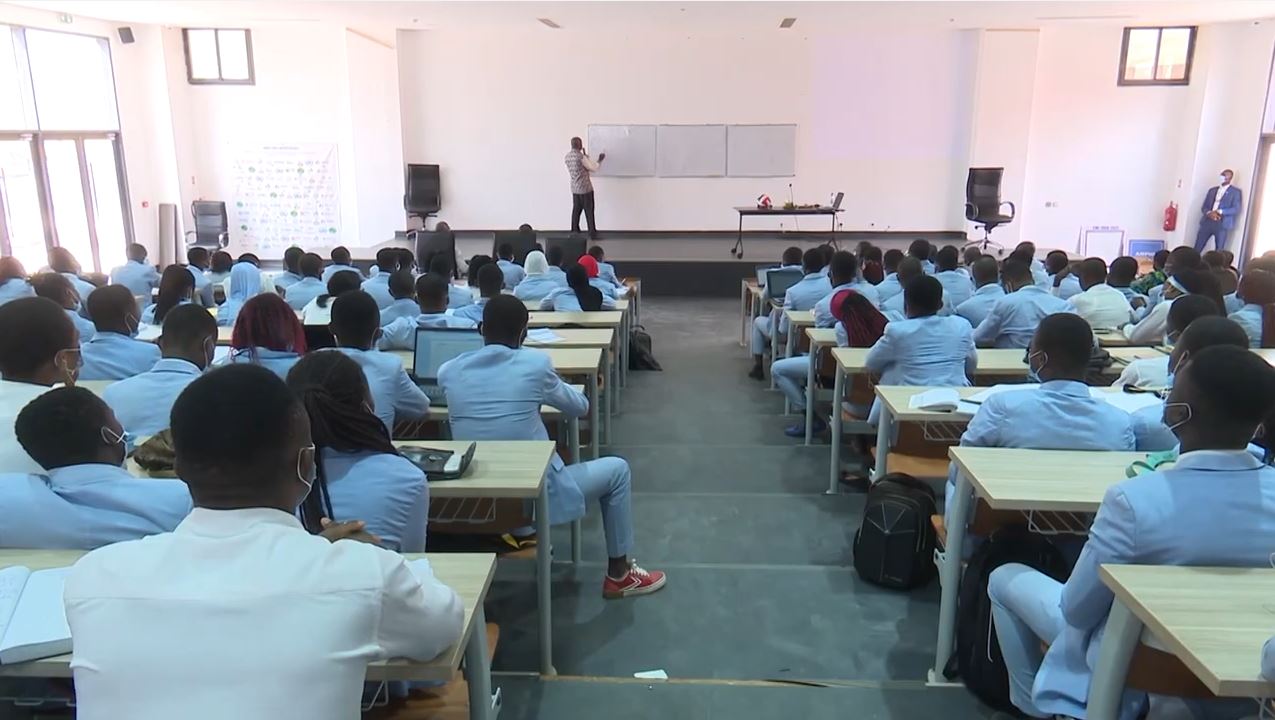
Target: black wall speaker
[126,35]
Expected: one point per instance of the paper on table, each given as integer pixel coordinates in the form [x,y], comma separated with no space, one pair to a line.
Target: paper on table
[543,335]
[936,400]
[149,333]
[997,389]
[1129,402]
[966,407]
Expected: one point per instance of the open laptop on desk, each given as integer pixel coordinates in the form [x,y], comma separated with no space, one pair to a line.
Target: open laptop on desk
[435,346]
[779,280]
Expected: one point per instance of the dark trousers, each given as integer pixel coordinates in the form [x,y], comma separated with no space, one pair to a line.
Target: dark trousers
[579,202]
[1211,229]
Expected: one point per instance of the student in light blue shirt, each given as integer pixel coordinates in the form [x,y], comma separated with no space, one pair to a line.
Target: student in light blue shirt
[1215,507]
[85,498]
[176,287]
[889,285]
[1120,275]
[307,286]
[843,274]
[143,402]
[579,295]
[139,276]
[512,271]
[61,261]
[1257,287]
[922,250]
[395,398]
[538,284]
[608,289]
[431,293]
[557,260]
[924,348]
[13,280]
[340,261]
[606,271]
[790,260]
[1013,319]
[909,270]
[1060,414]
[490,282]
[403,288]
[442,265]
[803,295]
[114,353]
[986,277]
[292,273]
[57,288]
[378,286]
[956,284]
[1063,281]
[245,283]
[197,262]
[496,393]
[267,333]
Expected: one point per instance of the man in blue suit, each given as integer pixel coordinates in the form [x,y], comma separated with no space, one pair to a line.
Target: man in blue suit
[1221,207]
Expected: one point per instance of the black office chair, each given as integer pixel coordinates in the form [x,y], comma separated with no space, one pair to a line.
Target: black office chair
[212,229]
[983,204]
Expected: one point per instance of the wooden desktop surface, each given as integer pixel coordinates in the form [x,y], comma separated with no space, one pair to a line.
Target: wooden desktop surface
[500,468]
[1057,480]
[566,361]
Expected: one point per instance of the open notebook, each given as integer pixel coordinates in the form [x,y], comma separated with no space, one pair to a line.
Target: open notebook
[32,618]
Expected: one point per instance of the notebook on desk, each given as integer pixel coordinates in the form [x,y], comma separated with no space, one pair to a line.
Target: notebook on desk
[434,347]
[32,617]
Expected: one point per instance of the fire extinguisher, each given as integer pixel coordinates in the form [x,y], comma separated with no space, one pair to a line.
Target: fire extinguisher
[1171,217]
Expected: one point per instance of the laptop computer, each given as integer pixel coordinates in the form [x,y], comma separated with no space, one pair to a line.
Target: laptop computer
[778,282]
[761,274]
[836,203]
[435,346]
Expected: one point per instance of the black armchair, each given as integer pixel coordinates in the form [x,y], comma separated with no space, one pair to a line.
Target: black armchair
[983,204]
[212,228]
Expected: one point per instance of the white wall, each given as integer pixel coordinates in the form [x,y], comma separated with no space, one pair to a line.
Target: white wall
[874,111]
[378,138]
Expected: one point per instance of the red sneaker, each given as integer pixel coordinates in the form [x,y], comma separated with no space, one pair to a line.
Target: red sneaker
[635,582]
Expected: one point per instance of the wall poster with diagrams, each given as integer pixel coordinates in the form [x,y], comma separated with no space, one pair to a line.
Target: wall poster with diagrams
[286,195]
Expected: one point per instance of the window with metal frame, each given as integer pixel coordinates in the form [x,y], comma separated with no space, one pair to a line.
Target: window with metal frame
[1156,55]
[218,56]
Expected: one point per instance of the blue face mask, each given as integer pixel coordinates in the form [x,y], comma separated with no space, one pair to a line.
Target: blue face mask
[126,439]
[1033,373]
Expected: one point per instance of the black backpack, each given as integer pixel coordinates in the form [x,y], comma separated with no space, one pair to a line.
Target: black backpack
[640,356]
[977,659]
[894,546]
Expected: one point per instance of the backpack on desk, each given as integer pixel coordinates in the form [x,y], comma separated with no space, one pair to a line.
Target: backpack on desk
[894,547]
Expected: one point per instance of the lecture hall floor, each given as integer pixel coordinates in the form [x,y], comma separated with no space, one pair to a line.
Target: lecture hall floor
[762,601]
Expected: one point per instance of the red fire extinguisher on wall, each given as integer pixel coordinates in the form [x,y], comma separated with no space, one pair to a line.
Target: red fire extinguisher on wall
[1171,217]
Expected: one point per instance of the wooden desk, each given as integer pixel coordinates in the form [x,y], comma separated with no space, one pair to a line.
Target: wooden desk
[819,338]
[468,574]
[1214,620]
[1013,479]
[750,294]
[614,319]
[605,339]
[798,321]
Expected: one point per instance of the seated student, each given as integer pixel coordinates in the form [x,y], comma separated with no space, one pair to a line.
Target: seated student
[142,402]
[1180,258]
[578,295]
[176,287]
[956,284]
[1257,316]
[1169,517]
[872,269]
[300,293]
[889,285]
[969,256]
[457,296]
[57,288]
[319,310]
[909,270]
[394,395]
[340,256]
[1121,275]
[512,271]
[431,293]
[115,353]
[985,273]
[1153,372]
[62,262]
[245,283]
[606,288]
[407,260]
[359,475]
[219,267]
[1025,252]
[267,333]
[13,280]
[239,566]
[1062,278]
[606,271]
[378,286]
[1156,277]
[537,285]
[803,295]
[249,258]
[292,274]
[476,264]
[921,250]
[924,348]
[139,276]
[495,394]
[790,260]
[403,289]
[1058,415]
[1013,319]
[843,275]
[84,498]
[49,353]
[490,282]
[1150,330]
[1102,306]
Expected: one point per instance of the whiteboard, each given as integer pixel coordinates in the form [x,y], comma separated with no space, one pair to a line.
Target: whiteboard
[630,149]
[761,150]
[691,151]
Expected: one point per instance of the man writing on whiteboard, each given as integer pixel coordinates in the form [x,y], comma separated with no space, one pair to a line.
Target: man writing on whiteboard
[579,166]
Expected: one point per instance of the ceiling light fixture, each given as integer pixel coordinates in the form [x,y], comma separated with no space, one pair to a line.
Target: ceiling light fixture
[787,23]
[549,23]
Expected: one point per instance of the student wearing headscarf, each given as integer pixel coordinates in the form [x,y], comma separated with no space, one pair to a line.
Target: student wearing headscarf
[1151,329]
[538,283]
[245,283]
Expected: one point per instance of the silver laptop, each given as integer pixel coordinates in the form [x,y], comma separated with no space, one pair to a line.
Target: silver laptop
[836,204]
[435,346]
[761,274]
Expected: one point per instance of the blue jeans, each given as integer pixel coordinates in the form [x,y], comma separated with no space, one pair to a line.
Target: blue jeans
[790,378]
[1026,609]
[1211,229]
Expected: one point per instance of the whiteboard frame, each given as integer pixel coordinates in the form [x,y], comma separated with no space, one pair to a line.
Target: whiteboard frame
[729,128]
[655,150]
[659,171]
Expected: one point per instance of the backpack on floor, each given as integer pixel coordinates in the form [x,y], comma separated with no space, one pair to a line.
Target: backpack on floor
[977,659]
[894,547]
[640,355]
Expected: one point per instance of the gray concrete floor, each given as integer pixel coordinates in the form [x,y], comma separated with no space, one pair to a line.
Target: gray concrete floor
[760,583]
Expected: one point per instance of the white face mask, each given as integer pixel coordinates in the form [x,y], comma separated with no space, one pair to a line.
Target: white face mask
[1223,179]
[306,479]
[1164,418]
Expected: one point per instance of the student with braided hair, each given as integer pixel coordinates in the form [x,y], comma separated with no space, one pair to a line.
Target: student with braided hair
[267,333]
[359,473]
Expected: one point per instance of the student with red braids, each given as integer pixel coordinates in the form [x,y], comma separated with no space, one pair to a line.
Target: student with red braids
[267,333]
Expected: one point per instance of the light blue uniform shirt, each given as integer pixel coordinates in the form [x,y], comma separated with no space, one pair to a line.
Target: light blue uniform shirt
[1013,319]
[15,288]
[606,271]
[287,279]
[148,315]
[458,296]
[112,356]
[958,286]
[140,278]
[203,287]
[378,286]
[335,268]
[894,310]
[513,273]
[924,351]
[245,282]
[143,402]
[83,507]
[1069,286]
[803,295]
[980,303]
[604,287]
[1232,302]
[927,267]
[84,288]
[86,328]
[472,312]
[1249,317]
[823,308]
[401,334]
[556,273]
[564,300]
[385,491]
[1172,517]
[277,361]
[401,308]
[394,395]
[495,394]
[889,287]
[300,293]
[537,287]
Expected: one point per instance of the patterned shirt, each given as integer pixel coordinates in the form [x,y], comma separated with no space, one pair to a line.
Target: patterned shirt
[579,165]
